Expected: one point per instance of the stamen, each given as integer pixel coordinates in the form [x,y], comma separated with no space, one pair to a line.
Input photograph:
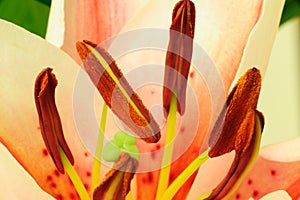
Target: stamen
[242,99]
[79,186]
[116,91]
[244,159]
[129,196]
[97,164]
[179,54]
[116,184]
[184,176]
[50,123]
[168,151]
[241,132]
[51,129]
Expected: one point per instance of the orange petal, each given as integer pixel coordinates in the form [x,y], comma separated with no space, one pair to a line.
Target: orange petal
[223,30]
[95,20]
[23,55]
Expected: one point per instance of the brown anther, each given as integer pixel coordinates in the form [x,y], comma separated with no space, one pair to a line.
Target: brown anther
[116,183]
[248,147]
[50,123]
[238,128]
[179,54]
[116,91]
[242,99]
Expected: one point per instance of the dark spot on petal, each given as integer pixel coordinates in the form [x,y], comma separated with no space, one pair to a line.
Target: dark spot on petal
[273,172]
[237,196]
[150,177]
[86,154]
[255,193]
[72,196]
[49,178]
[152,92]
[249,182]
[192,74]
[171,178]
[53,185]
[153,154]
[88,174]
[182,129]
[45,152]
[59,197]
[86,186]
[158,146]
[56,173]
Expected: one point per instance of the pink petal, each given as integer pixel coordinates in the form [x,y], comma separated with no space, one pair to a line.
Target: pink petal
[277,168]
[223,30]
[23,55]
[95,20]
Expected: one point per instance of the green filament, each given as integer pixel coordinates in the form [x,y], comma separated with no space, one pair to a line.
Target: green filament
[97,164]
[168,151]
[185,175]
[82,192]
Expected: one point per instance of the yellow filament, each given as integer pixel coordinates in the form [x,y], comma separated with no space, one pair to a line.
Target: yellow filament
[97,164]
[184,176]
[168,151]
[129,196]
[79,187]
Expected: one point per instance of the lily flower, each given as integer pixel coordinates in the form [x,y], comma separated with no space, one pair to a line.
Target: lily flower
[24,55]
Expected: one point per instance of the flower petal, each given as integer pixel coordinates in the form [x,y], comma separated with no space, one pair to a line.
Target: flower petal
[270,175]
[96,20]
[18,183]
[23,55]
[277,195]
[223,30]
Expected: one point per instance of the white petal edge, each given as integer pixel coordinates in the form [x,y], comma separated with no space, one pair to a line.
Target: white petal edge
[264,32]
[288,151]
[56,23]
[277,195]
[15,182]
